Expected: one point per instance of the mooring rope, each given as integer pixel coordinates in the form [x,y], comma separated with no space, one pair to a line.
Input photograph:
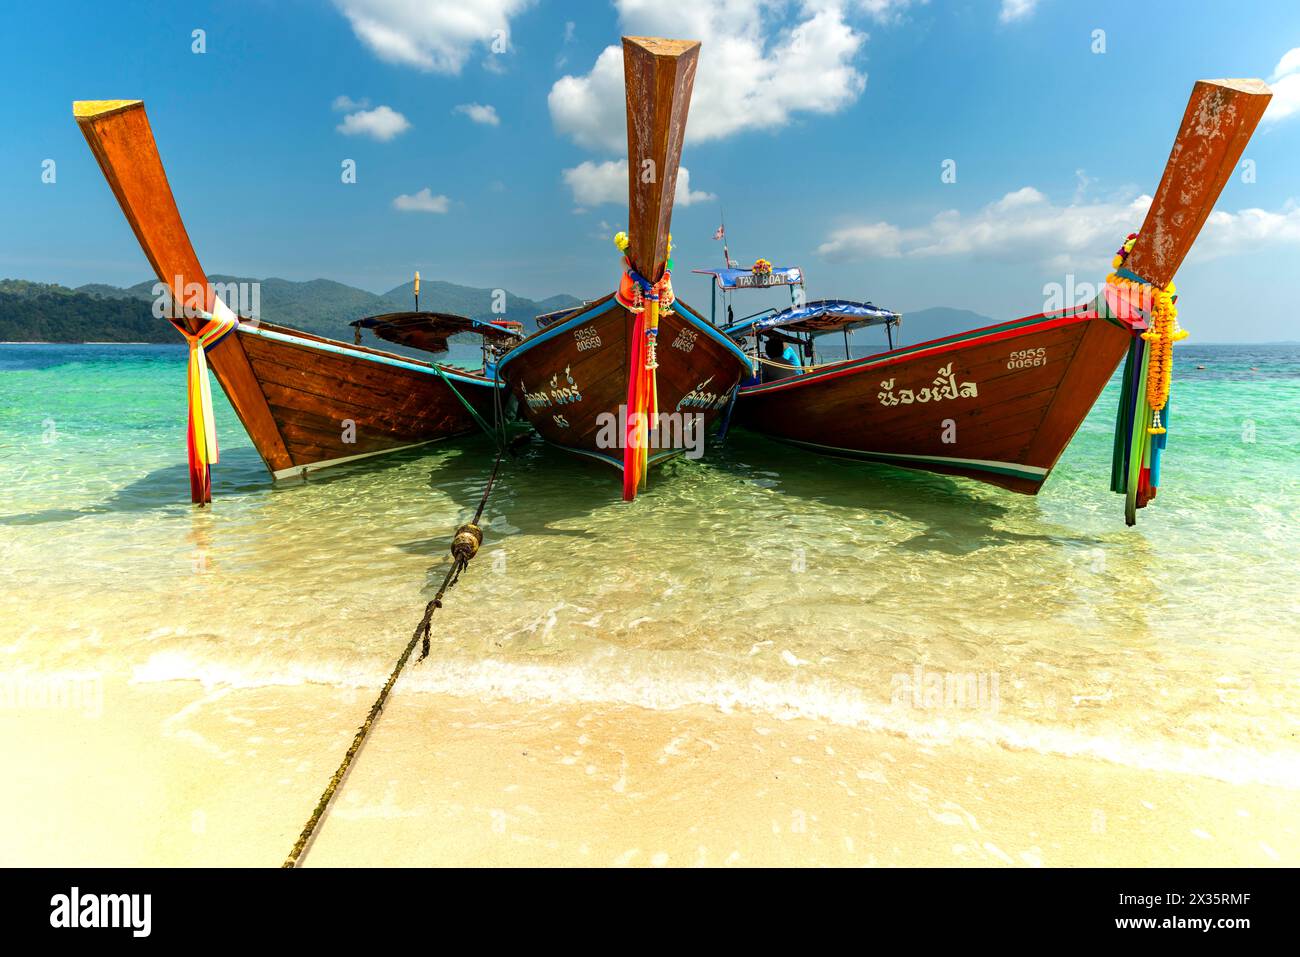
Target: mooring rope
[464,546]
[463,401]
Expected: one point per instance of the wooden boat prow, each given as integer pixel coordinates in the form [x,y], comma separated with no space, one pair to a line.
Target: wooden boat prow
[1000,404]
[575,371]
[659,76]
[1220,117]
[306,401]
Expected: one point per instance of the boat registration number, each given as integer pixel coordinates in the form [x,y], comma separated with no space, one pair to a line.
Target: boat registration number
[685,340]
[1027,358]
[587,338]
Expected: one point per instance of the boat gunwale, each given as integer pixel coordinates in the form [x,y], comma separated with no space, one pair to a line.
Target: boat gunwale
[602,306]
[992,333]
[289,336]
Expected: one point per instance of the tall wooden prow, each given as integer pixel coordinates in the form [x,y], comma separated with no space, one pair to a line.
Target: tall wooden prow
[1217,124]
[1220,118]
[659,76]
[119,135]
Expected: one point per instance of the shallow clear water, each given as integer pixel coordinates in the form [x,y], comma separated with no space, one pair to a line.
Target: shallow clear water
[760,577]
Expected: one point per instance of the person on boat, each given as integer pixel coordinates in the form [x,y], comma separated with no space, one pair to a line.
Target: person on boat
[785,354]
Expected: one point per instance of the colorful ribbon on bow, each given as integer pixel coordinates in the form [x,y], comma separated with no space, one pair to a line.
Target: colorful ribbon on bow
[1141,432]
[647,301]
[201,433]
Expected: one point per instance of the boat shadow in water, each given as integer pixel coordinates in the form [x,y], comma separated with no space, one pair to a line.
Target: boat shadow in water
[539,489]
[240,473]
[163,489]
[959,517]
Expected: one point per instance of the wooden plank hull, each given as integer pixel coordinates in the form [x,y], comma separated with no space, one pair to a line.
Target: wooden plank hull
[997,404]
[332,402]
[305,401]
[570,376]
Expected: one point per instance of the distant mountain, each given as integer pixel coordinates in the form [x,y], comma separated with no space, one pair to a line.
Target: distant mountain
[141,291]
[476,303]
[319,306]
[101,313]
[325,307]
[45,312]
[939,321]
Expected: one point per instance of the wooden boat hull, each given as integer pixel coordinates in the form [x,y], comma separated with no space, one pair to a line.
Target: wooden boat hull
[571,376]
[305,401]
[332,402]
[997,404]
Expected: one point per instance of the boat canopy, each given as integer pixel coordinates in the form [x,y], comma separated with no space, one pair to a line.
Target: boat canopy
[734,278]
[431,330]
[546,318]
[822,315]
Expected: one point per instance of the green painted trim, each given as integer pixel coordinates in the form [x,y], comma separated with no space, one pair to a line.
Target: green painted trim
[468,408]
[655,459]
[1031,473]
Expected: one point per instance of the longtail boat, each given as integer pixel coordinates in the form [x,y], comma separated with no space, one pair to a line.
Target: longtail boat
[1001,403]
[624,378]
[306,401]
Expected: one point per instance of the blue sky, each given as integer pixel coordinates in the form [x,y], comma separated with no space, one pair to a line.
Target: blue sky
[820,127]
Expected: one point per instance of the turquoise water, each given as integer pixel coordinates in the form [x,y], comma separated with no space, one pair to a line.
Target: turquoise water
[758,578]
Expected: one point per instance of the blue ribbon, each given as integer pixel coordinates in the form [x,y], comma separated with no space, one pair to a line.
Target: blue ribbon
[1130,274]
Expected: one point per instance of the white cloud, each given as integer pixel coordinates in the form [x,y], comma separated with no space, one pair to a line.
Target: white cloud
[1024,225]
[1021,225]
[866,241]
[1250,229]
[345,104]
[594,184]
[480,113]
[433,35]
[1290,62]
[1013,10]
[763,61]
[1286,88]
[684,195]
[422,202]
[382,123]
[884,11]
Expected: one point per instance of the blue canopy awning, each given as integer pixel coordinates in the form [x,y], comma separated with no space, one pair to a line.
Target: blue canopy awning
[822,315]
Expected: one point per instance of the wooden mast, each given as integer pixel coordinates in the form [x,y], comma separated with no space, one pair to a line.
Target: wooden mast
[659,75]
[1220,118]
[119,135]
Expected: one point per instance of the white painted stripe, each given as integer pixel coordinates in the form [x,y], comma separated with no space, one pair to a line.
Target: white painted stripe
[298,470]
[1029,471]
[343,350]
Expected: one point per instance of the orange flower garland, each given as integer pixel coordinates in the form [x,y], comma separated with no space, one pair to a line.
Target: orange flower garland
[1162,332]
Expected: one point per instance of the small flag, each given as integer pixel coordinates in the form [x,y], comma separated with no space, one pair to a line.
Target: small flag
[720,232]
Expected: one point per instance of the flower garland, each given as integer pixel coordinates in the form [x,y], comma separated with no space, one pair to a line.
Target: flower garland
[762,267]
[634,289]
[646,301]
[1163,331]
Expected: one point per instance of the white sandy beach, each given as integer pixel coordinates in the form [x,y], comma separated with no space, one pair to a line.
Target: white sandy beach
[170,774]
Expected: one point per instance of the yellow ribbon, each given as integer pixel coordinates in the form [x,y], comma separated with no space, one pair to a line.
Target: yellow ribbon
[202,424]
